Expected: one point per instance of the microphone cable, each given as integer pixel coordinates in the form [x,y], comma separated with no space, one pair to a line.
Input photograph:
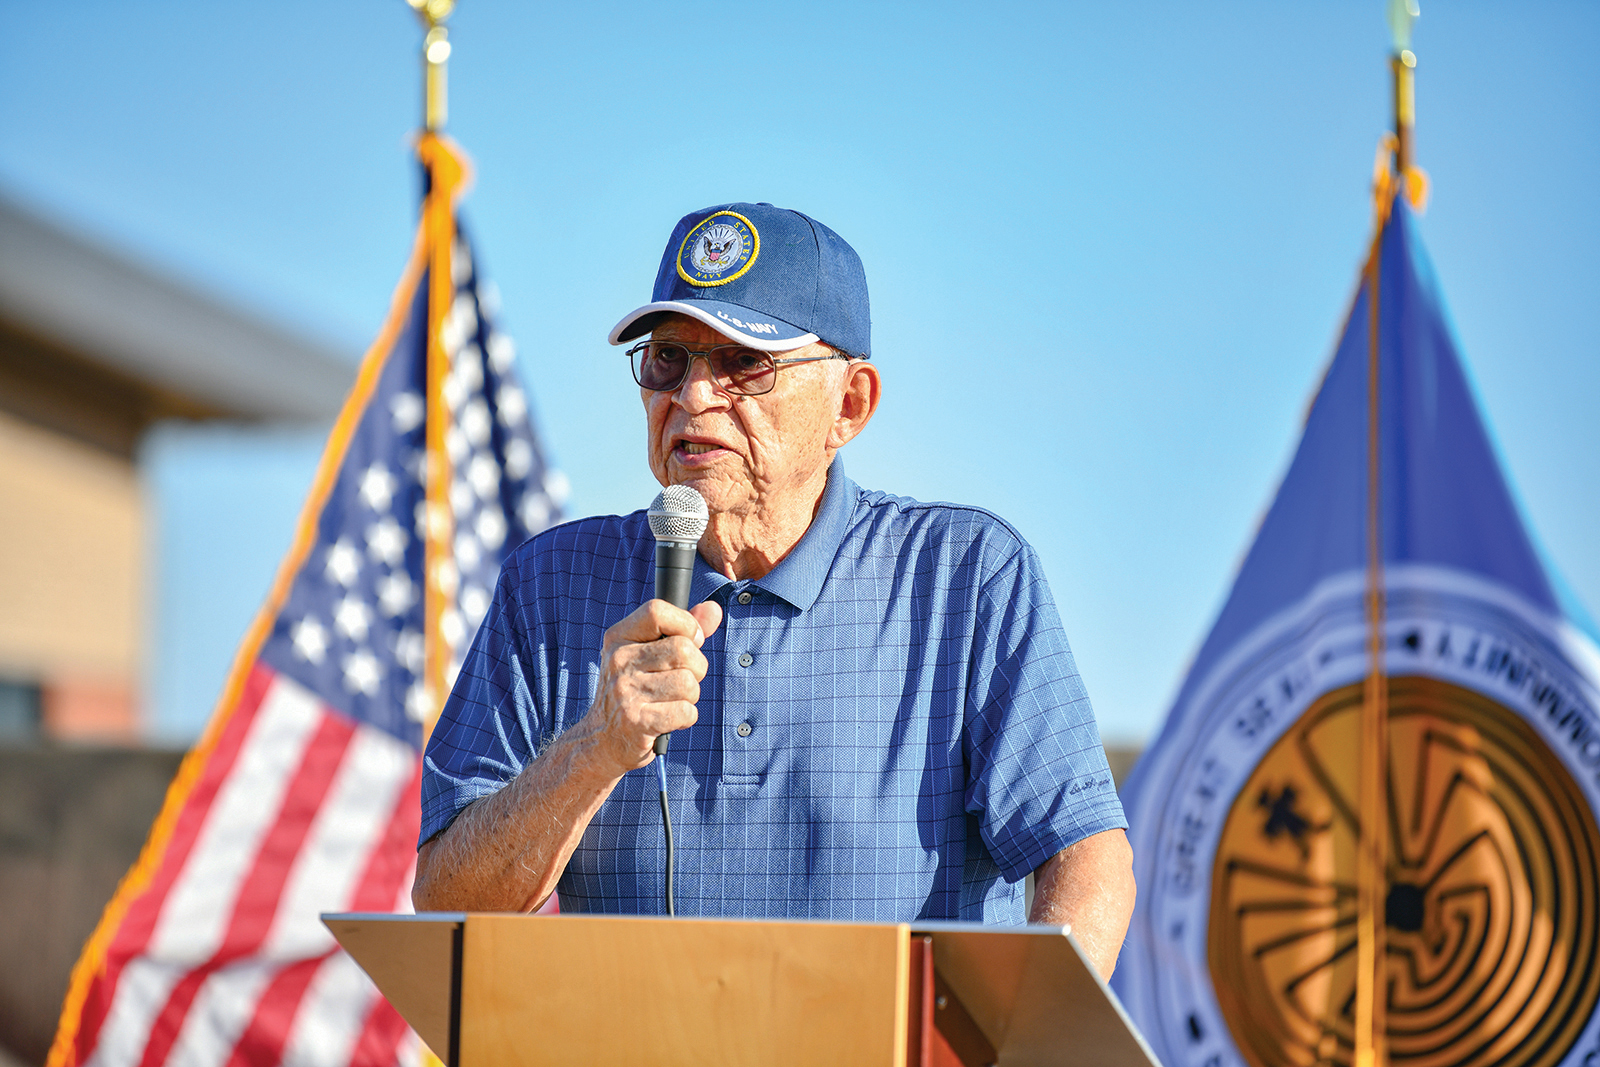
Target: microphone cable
[666,827]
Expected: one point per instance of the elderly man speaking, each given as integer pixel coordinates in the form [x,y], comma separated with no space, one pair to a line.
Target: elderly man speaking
[876,713]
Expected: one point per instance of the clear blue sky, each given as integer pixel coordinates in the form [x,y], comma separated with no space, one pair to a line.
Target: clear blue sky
[1109,246]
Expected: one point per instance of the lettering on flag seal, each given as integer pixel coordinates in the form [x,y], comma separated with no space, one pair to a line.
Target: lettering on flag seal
[721,248]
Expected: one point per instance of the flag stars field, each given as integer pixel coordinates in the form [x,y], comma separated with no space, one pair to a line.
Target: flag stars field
[491,528]
[408,650]
[377,487]
[344,563]
[386,542]
[407,411]
[484,476]
[362,673]
[396,593]
[468,553]
[513,406]
[353,618]
[310,640]
[475,604]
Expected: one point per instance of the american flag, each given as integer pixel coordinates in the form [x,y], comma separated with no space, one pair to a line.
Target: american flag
[302,796]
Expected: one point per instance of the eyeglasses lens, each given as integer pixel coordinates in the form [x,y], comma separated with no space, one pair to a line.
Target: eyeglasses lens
[662,365]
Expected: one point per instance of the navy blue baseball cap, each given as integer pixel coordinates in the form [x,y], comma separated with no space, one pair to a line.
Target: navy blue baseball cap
[765,276]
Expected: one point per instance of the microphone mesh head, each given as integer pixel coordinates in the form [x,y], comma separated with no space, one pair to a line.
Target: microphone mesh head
[679,514]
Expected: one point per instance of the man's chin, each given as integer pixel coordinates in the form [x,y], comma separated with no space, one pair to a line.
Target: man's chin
[719,491]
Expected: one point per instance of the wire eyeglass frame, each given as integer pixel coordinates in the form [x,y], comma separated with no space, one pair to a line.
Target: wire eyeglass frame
[639,353]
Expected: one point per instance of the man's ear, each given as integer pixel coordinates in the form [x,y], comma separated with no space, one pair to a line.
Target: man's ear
[859,395]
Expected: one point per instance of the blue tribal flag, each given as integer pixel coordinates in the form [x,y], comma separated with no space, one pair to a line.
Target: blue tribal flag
[302,795]
[1245,812]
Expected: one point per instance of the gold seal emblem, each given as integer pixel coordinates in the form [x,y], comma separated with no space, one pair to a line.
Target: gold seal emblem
[1493,951]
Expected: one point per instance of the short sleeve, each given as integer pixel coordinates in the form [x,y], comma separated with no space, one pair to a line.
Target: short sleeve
[1039,781]
[490,727]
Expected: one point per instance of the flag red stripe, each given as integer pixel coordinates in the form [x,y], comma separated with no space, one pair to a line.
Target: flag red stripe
[257,903]
[140,921]
[381,1034]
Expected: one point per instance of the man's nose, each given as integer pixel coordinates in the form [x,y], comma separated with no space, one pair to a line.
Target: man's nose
[699,389]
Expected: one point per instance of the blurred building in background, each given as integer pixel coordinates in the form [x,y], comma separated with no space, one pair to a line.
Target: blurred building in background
[94,350]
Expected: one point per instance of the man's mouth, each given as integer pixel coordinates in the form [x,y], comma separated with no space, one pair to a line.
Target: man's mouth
[690,452]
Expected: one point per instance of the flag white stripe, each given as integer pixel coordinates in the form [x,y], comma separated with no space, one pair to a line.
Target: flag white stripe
[194,918]
[409,1054]
[350,824]
[329,1022]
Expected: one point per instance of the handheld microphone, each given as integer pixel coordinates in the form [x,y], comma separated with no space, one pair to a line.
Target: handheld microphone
[678,519]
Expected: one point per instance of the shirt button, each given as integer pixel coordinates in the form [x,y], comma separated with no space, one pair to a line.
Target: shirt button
[745,659]
[743,729]
[744,598]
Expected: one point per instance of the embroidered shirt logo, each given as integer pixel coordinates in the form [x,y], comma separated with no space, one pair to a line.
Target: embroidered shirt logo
[721,248]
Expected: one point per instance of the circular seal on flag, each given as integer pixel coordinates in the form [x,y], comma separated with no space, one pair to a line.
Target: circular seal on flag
[721,248]
[1493,951]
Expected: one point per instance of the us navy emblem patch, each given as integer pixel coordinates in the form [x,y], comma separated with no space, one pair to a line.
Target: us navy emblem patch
[721,248]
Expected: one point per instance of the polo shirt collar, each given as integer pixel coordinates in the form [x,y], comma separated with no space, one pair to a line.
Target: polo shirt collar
[798,578]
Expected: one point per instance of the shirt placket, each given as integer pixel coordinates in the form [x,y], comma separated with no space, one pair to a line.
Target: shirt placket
[748,686]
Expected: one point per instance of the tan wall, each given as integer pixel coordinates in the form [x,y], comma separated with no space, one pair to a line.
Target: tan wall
[72,821]
[71,577]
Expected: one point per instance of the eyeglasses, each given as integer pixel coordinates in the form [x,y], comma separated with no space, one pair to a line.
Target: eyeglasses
[663,365]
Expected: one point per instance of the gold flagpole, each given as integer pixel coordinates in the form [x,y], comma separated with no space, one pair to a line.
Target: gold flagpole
[446,174]
[1372,850]
[435,51]
[1403,63]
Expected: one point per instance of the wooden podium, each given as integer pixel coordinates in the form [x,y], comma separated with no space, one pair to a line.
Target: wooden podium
[486,990]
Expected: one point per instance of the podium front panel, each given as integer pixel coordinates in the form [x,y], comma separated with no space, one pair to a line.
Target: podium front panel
[681,993]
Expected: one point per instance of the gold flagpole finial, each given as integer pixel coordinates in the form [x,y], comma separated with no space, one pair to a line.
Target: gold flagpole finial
[1396,162]
[435,52]
[1402,15]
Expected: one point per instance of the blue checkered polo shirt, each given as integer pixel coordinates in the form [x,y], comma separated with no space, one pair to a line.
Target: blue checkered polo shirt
[892,726]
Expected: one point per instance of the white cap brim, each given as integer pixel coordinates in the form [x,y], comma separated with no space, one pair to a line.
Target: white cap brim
[731,320]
